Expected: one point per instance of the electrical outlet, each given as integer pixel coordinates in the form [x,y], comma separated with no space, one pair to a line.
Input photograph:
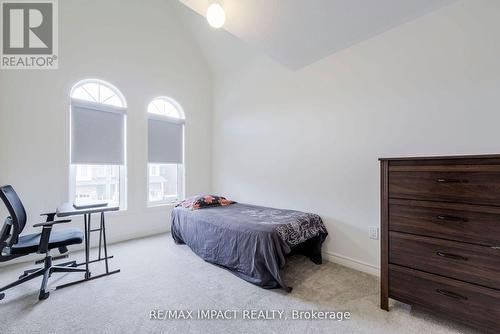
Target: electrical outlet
[373,232]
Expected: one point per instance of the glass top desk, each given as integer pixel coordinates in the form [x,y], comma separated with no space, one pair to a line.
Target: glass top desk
[67,210]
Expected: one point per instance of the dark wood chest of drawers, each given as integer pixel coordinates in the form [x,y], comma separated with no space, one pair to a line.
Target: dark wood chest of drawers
[440,236]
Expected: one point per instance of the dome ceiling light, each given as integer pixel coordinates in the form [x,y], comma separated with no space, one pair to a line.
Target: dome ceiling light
[216,16]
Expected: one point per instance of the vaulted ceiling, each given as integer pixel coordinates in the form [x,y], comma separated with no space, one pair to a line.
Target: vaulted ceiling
[297,33]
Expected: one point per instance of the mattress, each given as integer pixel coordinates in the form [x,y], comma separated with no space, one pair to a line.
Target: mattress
[250,241]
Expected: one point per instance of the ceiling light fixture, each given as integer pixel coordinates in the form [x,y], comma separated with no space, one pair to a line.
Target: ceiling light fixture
[216,16]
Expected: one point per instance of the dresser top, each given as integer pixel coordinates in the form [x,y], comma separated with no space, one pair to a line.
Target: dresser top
[449,157]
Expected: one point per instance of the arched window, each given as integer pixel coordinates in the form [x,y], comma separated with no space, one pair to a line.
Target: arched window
[166,107]
[165,151]
[98,91]
[97,143]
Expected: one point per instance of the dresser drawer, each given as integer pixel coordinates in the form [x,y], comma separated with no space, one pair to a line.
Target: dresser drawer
[467,223]
[462,184]
[466,262]
[471,304]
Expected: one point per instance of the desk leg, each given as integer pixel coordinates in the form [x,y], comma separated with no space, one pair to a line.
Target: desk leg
[100,237]
[87,244]
[104,241]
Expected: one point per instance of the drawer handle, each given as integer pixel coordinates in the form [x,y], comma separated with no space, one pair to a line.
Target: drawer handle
[451,294]
[452,256]
[451,181]
[452,218]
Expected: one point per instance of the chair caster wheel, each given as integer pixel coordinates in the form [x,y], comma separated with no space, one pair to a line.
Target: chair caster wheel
[2,296]
[88,275]
[43,295]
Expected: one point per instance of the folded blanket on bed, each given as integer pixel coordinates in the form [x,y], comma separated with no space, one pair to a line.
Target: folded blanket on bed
[250,241]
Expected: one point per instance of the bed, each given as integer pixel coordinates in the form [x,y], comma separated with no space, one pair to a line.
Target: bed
[250,241]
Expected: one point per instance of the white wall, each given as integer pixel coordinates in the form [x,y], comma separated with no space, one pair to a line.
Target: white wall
[310,139]
[139,47]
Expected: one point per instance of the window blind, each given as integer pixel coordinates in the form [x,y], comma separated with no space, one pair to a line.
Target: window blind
[97,134]
[165,139]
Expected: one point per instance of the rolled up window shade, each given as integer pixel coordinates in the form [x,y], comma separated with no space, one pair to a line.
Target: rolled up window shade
[97,135]
[165,141]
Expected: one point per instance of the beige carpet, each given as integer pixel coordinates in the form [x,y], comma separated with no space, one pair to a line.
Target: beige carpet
[157,274]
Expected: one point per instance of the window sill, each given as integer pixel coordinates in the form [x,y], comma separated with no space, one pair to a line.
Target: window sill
[120,212]
[160,205]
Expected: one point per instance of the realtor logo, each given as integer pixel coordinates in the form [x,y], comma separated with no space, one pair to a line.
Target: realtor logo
[29,34]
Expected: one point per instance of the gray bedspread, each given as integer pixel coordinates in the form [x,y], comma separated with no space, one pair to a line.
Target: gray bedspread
[250,241]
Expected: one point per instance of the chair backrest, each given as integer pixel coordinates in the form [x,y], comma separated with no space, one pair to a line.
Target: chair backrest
[16,209]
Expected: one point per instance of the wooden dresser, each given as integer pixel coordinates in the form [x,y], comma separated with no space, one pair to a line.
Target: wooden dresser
[440,236]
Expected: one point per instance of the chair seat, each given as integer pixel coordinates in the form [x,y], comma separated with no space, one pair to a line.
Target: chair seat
[58,238]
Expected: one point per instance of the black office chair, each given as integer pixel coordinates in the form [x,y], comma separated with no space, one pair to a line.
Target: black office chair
[12,245]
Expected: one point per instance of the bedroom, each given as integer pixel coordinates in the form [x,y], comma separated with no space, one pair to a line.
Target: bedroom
[289,105]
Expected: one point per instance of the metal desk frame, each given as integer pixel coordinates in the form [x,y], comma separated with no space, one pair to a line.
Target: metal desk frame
[67,210]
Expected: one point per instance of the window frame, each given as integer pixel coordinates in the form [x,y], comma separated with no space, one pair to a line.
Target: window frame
[122,169]
[181,168]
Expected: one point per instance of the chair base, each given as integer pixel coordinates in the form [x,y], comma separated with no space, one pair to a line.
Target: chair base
[45,272]
[65,264]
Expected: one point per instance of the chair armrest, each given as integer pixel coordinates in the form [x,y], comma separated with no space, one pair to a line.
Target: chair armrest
[43,246]
[53,222]
[50,215]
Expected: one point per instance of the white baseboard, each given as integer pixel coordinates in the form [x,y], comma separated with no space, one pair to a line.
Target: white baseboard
[331,257]
[352,263]
[80,247]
